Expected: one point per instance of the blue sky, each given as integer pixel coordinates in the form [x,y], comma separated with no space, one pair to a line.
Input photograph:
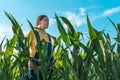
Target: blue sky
[74,10]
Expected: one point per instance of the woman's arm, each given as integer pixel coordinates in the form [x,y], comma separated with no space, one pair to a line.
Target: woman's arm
[32,49]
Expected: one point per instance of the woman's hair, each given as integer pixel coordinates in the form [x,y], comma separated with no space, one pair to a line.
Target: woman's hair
[39,18]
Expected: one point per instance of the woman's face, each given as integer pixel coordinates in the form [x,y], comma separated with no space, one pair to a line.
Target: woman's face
[44,23]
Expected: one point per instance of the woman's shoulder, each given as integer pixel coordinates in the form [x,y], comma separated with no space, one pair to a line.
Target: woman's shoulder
[31,34]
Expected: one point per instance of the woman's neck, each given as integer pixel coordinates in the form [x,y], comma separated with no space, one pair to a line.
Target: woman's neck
[41,30]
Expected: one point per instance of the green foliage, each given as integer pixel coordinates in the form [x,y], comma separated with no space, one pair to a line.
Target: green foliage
[97,60]
[62,31]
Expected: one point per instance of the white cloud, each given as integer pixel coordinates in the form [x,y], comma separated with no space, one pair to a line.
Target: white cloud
[107,12]
[52,21]
[111,11]
[82,11]
[76,19]
[79,19]
[5,31]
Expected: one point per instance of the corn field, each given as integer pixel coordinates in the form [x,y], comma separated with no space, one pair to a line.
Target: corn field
[97,60]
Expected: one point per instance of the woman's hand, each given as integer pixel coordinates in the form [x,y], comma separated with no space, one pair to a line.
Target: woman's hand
[30,64]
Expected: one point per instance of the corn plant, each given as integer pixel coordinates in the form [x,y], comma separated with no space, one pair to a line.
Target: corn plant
[94,61]
[97,60]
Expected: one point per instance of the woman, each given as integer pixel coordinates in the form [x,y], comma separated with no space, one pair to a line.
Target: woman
[42,23]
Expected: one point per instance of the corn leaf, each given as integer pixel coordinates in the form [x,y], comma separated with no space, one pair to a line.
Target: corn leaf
[113,24]
[10,47]
[92,33]
[15,26]
[71,29]
[62,31]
